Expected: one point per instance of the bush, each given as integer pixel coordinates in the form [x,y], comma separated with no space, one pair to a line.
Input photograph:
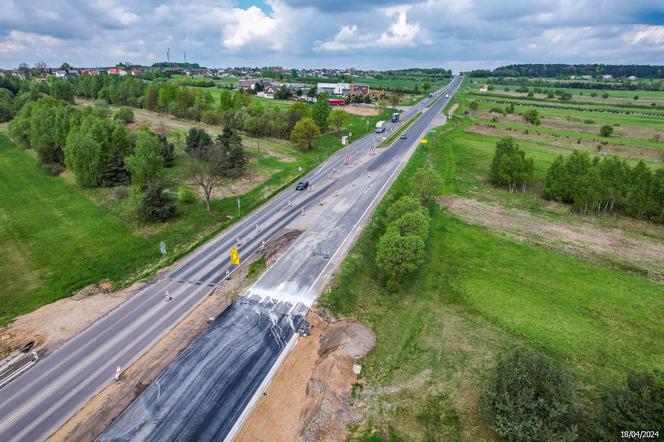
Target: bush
[639,404]
[530,397]
[589,121]
[606,130]
[187,195]
[593,94]
[532,116]
[605,95]
[53,169]
[125,115]
[155,205]
[402,206]
[636,97]
[211,117]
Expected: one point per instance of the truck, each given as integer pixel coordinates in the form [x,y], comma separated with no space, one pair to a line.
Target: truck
[380,127]
[395,117]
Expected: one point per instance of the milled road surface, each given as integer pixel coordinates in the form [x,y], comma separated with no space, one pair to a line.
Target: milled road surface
[35,404]
[209,390]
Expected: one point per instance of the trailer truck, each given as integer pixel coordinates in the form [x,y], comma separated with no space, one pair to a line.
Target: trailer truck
[380,127]
[395,117]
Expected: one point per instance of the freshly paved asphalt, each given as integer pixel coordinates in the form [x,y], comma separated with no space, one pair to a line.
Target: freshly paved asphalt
[210,387]
[43,398]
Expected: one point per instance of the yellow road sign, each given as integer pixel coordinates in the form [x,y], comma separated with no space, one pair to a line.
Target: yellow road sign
[235,256]
[425,141]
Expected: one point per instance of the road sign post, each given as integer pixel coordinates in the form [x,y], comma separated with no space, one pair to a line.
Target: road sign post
[162,248]
[238,207]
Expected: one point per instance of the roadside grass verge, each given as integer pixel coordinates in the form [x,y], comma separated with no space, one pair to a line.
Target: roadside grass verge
[477,294]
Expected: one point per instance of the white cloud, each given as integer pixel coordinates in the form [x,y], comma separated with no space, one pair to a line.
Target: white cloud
[18,41]
[399,33]
[646,35]
[248,26]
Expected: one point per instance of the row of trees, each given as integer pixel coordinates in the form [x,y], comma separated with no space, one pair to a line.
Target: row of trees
[400,250]
[601,185]
[531,397]
[606,185]
[566,70]
[623,110]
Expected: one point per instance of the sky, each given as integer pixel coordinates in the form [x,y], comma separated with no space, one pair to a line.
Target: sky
[386,34]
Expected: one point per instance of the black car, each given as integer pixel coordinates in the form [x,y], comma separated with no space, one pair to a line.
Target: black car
[302,185]
[403,136]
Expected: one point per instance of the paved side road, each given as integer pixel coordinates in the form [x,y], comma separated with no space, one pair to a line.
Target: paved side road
[44,397]
[211,388]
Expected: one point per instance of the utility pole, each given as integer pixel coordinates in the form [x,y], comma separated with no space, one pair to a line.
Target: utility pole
[168,55]
[185,57]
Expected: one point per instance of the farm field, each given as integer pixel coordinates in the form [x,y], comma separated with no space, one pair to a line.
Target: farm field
[618,97]
[501,269]
[401,83]
[101,237]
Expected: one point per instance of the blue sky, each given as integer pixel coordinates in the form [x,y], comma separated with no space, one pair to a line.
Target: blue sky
[458,34]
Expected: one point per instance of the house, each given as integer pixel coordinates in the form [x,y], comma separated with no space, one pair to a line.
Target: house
[607,77]
[341,89]
[267,92]
[246,84]
[632,77]
[60,73]
[116,71]
[20,74]
[136,72]
[73,73]
[484,88]
[587,77]
[294,87]
[359,89]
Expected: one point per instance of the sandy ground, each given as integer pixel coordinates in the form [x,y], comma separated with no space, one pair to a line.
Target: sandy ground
[102,409]
[361,110]
[575,238]
[54,324]
[613,148]
[309,398]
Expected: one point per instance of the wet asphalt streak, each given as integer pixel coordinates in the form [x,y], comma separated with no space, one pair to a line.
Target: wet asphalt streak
[36,403]
[207,389]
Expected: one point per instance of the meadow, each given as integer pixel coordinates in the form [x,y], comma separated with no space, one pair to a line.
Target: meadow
[57,238]
[483,290]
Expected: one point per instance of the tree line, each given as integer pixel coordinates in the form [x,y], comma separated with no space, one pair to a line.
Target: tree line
[646,85]
[565,70]
[601,185]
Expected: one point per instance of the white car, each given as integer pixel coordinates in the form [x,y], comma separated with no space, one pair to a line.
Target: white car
[447,95]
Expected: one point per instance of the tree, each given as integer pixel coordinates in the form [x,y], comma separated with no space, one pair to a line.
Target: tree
[155,206]
[397,255]
[304,132]
[320,111]
[296,112]
[639,200]
[529,397]
[147,162]
[606,130]
[532,116]
[83,156]
[402,206]
[195,139]
[62,90]
[428,184]
[65,66]
[637,404]
[167,151]
[414,223]
[395,98]
[510,167]
[337,118]
[426,86]
[556,186]
[235,157]
[474,106]
[206,169]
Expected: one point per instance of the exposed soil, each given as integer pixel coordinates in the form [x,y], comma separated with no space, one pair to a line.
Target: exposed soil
[576,238]
[89,422]
[54,324]
[361,110]
[453,109]
[618,149]
[310,396]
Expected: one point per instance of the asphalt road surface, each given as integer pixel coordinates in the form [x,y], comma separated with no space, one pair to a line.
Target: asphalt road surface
[36,403]
[212,386]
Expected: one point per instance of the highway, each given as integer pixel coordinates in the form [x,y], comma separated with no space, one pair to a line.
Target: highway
[211,388]
[35,404]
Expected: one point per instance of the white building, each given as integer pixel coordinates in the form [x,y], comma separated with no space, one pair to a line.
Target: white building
[333,88]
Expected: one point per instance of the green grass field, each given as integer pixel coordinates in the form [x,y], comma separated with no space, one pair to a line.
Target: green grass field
[479,293]
[56,238]
[401,82]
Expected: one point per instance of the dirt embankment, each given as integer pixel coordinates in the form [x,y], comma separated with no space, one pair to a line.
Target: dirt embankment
[100,411]
[364,111]
[584,239]
[310,396]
